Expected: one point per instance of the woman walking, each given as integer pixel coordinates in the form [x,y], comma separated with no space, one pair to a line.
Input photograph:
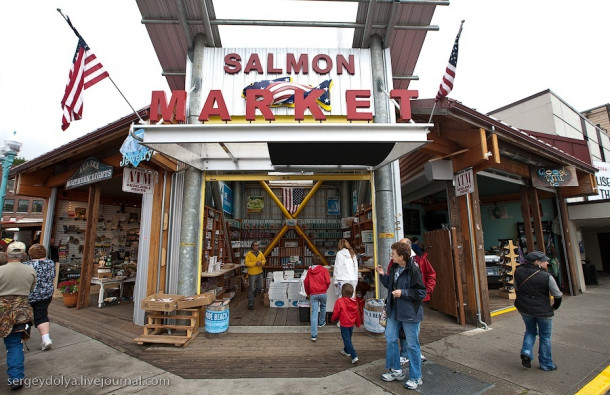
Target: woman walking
[41,296]
[345,268]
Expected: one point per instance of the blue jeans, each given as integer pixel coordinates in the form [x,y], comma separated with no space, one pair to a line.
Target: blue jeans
[14,356]
[541,327]
[346,334]
[255,287]
[392,355]
[318,305]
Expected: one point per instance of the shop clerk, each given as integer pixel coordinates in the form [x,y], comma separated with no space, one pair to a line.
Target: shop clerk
[255,260]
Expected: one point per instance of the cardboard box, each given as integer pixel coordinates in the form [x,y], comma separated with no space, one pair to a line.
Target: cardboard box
[188,302]
[154,302]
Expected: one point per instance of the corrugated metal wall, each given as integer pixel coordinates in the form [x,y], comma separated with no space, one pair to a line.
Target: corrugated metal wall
[173,244]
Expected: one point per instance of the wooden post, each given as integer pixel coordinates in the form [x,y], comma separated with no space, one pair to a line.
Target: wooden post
[567,239]
[527,220]
[535,210]
[156,222]
[86,269]
[458,278]
[479,242]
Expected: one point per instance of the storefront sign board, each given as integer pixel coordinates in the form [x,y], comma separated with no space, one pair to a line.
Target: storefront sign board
[139,180]
[547,176]
[227,198]
[464,182]
[92,170]
[333,206]
[603,180]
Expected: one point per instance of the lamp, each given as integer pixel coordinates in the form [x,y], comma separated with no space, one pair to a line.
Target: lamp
[497,212]
[7,155]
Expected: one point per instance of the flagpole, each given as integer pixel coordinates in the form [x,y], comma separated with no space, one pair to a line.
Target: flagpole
[456,39]
[110,78]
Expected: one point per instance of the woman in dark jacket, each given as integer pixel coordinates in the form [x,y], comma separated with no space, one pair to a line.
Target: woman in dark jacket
[406,291]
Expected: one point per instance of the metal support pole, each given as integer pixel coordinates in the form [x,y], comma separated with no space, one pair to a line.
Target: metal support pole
[474,261]
[190,233]
[384,177]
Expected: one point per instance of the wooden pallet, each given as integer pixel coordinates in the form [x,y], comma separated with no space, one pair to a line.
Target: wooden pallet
[158,331]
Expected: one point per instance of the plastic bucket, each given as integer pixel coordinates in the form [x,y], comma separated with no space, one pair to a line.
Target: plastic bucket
[217,319]
[372,311]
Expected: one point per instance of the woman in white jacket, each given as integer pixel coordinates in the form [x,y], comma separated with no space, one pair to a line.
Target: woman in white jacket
[346,267]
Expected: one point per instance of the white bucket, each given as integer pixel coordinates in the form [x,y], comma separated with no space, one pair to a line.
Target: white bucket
[372,311]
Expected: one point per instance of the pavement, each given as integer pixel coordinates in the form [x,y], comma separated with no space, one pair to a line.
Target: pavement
[474,361]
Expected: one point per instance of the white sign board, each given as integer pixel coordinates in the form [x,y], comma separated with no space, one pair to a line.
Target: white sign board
[138,180]
[464,182]
[603,180]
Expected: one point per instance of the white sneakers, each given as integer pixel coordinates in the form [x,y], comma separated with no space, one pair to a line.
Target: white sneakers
[346,354]
[413,384]
[404,360]
[392,375]
[46,345]
[355,360]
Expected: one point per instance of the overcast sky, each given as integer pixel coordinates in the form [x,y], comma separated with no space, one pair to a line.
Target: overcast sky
[508,51]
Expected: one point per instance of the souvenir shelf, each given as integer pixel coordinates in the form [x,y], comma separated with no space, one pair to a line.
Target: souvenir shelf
[361,231]
[214,239]
[509,263]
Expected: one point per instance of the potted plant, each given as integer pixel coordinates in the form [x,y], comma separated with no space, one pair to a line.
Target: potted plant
[69,290]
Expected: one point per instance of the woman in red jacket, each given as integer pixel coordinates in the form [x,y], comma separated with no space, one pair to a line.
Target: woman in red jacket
[346,311]
[316,284]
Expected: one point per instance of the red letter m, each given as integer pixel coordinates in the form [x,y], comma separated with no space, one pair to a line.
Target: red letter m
[176,106]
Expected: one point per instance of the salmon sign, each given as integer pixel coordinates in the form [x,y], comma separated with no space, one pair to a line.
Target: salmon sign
[464,182]
[139,180]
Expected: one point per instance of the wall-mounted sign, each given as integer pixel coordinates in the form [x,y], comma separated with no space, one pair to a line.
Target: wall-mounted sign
[333,206]
[138,180]
[255,204]
[133,152]
[464,182]
[92,170]
[562,176]
[603,180]
[227,198]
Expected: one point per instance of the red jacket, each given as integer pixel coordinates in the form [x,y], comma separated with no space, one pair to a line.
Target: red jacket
[346,311]
[427,272]
[317,280]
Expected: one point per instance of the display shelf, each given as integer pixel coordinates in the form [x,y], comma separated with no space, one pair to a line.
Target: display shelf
[509,263]
[363,222]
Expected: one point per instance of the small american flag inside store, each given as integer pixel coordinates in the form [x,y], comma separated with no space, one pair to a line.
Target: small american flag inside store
[293,197]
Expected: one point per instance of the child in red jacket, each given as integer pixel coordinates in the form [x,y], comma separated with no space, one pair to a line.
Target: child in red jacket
[346,311]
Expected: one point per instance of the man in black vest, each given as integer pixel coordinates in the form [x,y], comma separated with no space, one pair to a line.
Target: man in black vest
[533,285]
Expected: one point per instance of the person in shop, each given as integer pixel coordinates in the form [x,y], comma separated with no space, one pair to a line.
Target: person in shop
[316,284]
[255,260]
[346,267]
[41,296]
[416,247]
[404,308]
[533,284]
[346,312]
[16,316]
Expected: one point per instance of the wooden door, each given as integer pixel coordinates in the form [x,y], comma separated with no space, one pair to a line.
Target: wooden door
[438,246]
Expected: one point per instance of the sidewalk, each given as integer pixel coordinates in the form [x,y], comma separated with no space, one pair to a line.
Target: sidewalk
[79,364]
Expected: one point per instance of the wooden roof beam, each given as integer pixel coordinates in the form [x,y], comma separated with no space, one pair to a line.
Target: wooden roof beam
[475,155]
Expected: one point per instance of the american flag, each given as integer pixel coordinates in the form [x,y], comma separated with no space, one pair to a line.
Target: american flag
[86,71]
[447,83]
[293,197]
[283,91]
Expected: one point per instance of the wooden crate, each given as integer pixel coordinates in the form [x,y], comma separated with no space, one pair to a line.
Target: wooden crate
[156,330]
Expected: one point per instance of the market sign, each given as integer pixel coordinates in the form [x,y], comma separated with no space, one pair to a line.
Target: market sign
[282,82]
[92,170]
[226,195]
[603,180]
[563,176]
[464,182]
[139,180]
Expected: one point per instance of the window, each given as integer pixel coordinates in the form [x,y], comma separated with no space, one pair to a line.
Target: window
[9,205]
[23,206]
[37,206]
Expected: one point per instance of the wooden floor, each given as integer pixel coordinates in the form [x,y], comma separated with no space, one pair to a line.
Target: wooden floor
[265,354]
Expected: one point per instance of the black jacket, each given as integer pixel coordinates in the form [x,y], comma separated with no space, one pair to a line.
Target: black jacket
[409,306]
[533,294]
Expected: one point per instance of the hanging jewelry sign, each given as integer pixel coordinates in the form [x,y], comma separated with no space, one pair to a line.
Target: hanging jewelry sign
[133,152]
[92,170]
